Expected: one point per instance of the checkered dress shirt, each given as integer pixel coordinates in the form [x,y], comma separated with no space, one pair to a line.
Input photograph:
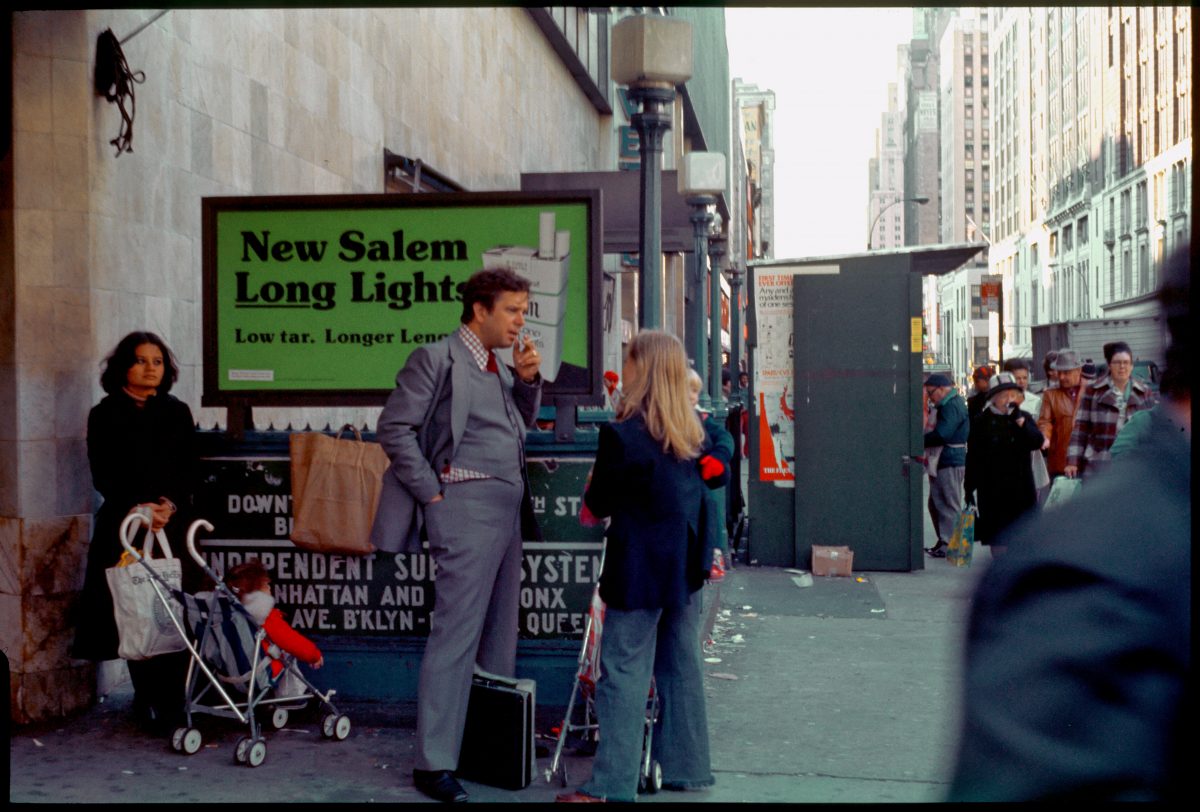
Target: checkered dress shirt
[451,474]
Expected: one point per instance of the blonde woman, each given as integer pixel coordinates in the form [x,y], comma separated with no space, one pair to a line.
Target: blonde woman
[648,479]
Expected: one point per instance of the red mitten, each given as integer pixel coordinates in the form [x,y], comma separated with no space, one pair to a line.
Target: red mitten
[711,467]
[587,518]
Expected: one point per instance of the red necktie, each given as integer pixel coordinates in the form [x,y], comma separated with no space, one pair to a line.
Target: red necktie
[491,364]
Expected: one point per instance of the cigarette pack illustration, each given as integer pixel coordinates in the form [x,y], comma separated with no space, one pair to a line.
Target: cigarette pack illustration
[547,268]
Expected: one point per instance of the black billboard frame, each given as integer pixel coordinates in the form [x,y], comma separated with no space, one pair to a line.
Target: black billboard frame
[239,402]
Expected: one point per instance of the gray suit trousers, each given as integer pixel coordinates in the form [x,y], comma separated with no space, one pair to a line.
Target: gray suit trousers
[475,539]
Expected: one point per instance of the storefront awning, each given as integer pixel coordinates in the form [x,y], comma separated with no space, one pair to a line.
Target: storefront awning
[621,203]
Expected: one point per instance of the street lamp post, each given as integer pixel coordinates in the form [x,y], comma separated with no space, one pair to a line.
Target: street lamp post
[651,54]
[701,178]
[701,220]
[920,201]
[735,331]
[716,250]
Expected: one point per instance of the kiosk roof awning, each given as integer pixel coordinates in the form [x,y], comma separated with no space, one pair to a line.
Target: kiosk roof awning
[926,260]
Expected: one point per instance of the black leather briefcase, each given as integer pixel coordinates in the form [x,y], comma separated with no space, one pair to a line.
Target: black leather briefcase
[498,741]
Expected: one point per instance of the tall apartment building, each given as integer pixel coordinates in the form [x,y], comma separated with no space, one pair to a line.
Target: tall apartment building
[754,185]
[922,151]
[1092,131]
[968,334]
[885,174]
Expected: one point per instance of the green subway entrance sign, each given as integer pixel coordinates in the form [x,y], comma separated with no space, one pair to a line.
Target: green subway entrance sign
[319,300]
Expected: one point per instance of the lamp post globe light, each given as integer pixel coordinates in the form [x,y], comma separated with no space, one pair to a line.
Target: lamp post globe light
[701,178]
[920,200]
[651,54]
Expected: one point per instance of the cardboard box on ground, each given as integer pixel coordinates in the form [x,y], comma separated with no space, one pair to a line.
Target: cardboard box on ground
[832,560]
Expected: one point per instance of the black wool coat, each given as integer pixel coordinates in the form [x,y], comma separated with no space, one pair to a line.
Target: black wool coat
[137,454]
[655,553]
[1000,470]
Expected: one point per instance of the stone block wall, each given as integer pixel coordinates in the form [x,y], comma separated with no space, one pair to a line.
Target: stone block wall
[233,102]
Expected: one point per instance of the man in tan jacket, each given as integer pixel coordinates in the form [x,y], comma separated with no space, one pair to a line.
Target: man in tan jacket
[1057,416]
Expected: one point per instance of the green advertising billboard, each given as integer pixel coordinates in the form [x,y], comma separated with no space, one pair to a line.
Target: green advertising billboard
[318,300]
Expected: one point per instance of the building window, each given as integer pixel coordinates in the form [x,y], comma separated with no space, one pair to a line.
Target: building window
[977,309]
[1067,238]
[1081,231]
[981,351]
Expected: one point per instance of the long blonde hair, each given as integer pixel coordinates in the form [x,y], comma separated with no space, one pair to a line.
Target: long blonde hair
[658,392]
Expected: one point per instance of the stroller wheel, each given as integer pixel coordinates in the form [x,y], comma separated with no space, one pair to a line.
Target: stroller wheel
[279,718]
[335,727]
[257,753]
[241,751]
[654,784]
[186,740]
[650,781]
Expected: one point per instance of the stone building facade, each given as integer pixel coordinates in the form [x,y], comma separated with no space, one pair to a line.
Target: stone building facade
[233,102]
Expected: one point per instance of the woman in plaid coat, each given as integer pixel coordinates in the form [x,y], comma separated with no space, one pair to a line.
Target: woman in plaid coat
[1105,407]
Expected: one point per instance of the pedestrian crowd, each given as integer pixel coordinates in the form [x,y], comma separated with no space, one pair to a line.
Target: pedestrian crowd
[1004,451]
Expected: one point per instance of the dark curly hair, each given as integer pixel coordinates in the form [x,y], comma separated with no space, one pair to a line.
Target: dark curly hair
[115,375]
[483,286]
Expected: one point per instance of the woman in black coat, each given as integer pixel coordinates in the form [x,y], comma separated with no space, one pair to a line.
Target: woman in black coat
[652,469]
[141,448]
[999,475]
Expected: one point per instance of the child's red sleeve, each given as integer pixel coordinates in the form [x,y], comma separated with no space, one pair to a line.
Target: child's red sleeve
[289,639]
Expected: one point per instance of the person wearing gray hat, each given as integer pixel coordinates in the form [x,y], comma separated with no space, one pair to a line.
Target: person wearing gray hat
[1058,410]
[1048,368]
[999,477]
[946,457]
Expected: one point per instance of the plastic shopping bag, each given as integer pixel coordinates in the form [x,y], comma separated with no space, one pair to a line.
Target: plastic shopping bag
[962,542]
[1062,491]
[142,607]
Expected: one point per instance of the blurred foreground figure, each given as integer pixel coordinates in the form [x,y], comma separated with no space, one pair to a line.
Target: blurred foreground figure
[1077,681]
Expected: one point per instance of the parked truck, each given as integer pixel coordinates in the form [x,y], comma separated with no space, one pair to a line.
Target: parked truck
[1146,336]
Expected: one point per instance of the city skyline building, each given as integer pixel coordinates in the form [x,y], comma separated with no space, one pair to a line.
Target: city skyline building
[885,174]
[754,111]
[1093,162]
[1062,139]
[967,337]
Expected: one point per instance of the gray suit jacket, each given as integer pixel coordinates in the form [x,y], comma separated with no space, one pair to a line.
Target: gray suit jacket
[420,428]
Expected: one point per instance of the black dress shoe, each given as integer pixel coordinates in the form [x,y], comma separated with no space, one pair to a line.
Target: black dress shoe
[938,550]
[440,785]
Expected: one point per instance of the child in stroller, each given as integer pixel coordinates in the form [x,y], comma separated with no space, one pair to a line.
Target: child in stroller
[251,583]
[231,658]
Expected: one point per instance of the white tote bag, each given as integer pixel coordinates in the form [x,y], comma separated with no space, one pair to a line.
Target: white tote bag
[144,627]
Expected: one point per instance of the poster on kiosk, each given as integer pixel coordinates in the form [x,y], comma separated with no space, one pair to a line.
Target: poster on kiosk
[317,301]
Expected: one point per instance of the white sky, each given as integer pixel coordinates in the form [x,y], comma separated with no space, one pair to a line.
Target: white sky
[829,68]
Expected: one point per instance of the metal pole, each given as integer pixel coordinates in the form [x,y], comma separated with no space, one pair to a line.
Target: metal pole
[716,250]
[701,219]
[735,332]
[651,124]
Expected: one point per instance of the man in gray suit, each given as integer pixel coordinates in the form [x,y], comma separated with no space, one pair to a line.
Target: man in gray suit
[454,430]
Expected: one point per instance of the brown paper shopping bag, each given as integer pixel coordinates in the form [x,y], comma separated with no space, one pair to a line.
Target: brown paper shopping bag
[335,491]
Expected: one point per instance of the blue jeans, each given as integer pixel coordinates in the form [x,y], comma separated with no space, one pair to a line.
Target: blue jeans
[636,644]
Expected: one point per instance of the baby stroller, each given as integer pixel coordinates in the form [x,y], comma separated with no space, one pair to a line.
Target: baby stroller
[234,657]
[584,688]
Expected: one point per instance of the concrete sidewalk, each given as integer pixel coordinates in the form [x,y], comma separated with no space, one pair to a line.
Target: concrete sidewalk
[843,691]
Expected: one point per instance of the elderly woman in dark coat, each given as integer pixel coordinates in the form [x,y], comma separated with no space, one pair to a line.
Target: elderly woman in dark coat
[999,475]
[140,442]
